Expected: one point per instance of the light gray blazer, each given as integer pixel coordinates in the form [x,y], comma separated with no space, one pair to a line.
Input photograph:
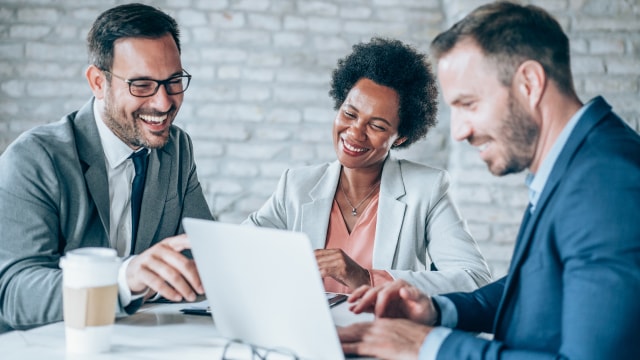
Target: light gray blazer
[54,197]
[417,223]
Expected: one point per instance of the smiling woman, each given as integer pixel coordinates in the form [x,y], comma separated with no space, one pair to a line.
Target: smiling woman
[371,217]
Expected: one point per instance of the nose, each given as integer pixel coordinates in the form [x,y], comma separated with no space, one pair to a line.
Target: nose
[460,127]
[357,130]
[162,101]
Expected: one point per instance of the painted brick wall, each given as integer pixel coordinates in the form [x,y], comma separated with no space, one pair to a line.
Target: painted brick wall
[258,102]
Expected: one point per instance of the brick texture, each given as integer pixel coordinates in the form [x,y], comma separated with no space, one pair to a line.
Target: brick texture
[258,101]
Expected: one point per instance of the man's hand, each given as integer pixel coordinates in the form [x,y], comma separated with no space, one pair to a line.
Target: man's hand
[384,339]
[163,269]
[397,299]
[334,263]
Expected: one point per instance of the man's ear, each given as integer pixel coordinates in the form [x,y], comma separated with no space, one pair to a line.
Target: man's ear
[97,81]
[530,82]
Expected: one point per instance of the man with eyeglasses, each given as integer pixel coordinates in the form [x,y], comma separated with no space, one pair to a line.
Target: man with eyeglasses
[115,173]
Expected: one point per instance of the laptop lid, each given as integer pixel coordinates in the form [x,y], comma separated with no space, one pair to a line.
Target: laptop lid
[264,287]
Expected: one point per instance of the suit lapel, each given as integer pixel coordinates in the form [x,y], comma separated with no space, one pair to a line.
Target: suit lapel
[388,225]
[594,114]
[316,213]
[91,154]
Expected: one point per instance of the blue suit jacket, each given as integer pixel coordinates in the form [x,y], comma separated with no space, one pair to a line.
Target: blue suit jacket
[573,288]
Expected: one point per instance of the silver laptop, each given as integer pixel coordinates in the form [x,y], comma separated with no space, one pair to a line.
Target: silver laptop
[264,288]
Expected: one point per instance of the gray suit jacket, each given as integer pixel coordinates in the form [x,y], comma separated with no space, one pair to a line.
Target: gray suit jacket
[417,223]
[54,197]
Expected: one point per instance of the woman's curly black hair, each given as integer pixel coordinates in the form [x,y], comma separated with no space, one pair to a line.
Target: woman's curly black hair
[391,63]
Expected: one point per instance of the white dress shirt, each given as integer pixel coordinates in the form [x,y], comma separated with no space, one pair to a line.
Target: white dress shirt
[120,172]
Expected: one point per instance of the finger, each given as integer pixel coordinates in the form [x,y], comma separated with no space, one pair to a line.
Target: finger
[169,251]
[357,293]
[177,243]
[329,266]
[186,268]
[380,307]
[173,268]
[360,348]
[186,283]
[157,284]
[387,296]
[367,301]
[168,281]
[410,293]
[353,332]
[347,334]
[319,252]
[350,348]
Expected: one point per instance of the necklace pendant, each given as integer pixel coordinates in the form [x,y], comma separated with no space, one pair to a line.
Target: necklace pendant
[354,212]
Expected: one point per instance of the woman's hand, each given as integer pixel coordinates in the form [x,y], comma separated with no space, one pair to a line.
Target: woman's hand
[334,263]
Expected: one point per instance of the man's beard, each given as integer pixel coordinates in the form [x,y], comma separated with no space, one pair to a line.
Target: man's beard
[126,128]
[520,135]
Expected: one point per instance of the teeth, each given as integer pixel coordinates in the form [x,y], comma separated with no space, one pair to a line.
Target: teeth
[351,148]
[153,119]
[483,147]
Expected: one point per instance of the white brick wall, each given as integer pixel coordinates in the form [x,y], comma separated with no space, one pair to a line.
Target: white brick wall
[258,102]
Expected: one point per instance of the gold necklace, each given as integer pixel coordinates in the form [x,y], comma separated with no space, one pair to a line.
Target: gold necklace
[354,209]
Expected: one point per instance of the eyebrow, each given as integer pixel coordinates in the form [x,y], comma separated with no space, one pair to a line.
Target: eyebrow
[177,73]
[373,118]
[461,98]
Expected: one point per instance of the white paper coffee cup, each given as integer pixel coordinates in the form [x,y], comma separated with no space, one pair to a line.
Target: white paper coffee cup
[90,294]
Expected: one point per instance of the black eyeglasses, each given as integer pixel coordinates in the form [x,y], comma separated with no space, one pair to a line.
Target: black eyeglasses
[237,349]
[174,85]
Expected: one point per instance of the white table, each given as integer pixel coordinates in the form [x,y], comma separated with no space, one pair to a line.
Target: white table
[155,332]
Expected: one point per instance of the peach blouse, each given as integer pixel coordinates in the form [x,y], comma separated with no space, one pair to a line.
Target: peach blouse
[358,244]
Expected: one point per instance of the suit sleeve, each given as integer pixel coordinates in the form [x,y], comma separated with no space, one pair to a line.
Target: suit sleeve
[30,279]
[476,312]
[453,252]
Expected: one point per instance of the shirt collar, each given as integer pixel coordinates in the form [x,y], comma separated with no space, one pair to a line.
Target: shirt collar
[536,182]
[115,150]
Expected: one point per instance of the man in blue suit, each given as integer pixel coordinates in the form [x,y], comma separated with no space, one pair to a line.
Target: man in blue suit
[573,288]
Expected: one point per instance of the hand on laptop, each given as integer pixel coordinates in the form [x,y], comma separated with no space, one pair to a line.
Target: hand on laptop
[397,299]
[163,269]
[384,338]
[336,264]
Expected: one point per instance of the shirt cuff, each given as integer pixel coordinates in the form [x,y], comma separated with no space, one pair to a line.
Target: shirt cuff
[124,293]
[379,277]
[432,343]
[448,311]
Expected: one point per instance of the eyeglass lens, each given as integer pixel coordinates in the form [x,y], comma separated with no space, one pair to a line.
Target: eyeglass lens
[173,86]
